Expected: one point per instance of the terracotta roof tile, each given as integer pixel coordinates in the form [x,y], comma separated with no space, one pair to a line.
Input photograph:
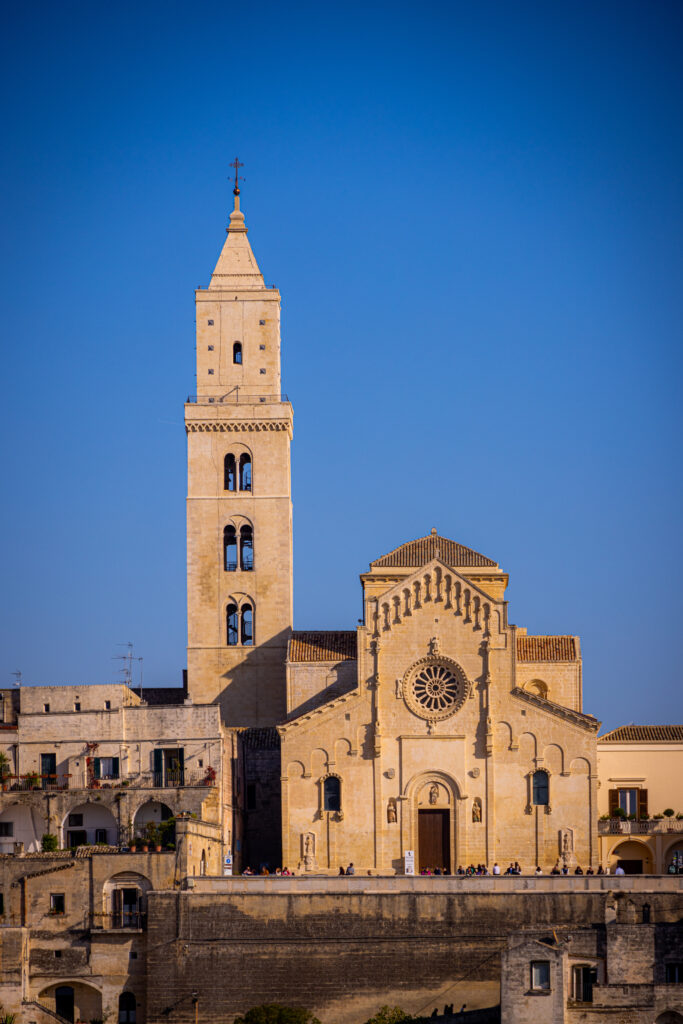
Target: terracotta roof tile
[424,549]
[546,648]
[331,645]
[644,734]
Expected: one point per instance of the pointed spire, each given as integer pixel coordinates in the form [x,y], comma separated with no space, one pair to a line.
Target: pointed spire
[237,267]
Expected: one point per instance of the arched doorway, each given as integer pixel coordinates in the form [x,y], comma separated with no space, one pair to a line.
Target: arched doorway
[669,1017]
[64,1001]
[673,858]
[127,1007]
[154,821]
[635,858]
[432,826]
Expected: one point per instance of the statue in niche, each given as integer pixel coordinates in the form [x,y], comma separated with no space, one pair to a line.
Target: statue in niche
[476,809]
[433,793]
[434,645]
[309,851]
[391,811]
[567,846]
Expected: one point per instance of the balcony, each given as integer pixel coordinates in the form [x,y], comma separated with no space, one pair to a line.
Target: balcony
[184,778]
[236,396]
[649,827]
[122,920]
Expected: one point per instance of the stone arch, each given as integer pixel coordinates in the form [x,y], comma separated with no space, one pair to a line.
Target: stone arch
[87,999]
[538,687]
[504,736]
[28,826]
[675,846]
[528,746]
[631,849]
[124,899]
[553,758]
[669,1017]
[319,760]
[88,823]
[325,793]
[149,813]
[342,748]
[450,798]
[580,766]
[406,602]
[295,770]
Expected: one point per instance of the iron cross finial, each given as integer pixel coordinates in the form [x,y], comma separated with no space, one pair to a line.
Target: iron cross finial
[236,164]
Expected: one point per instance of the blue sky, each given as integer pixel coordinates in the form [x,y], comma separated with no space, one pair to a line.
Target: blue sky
[473,214]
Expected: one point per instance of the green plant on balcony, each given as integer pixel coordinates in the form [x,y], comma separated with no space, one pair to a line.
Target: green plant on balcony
[679,816]
[49,843]
[669,812]
[33,780]
[658,817]
[5,769]
[619,812]
[153,835]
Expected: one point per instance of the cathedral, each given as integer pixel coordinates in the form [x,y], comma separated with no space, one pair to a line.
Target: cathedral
[436,734]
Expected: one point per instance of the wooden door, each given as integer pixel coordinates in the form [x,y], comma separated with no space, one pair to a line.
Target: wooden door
[433,840]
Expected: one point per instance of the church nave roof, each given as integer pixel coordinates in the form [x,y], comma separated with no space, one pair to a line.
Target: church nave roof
[418,552]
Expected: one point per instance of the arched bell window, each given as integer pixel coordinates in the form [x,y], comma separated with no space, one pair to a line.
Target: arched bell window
[232,619]
[230,549]
[540,788]
[237,353]
[332,793]
[229,473]
[246,549]
[247,617]
[245,472]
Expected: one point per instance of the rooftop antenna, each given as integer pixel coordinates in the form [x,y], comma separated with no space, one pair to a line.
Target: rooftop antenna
[17,677]
[126,669]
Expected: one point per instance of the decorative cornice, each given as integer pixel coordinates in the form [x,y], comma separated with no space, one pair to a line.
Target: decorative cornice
[221,426]
[575,717]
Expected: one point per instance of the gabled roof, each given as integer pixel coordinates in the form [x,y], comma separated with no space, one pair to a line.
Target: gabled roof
[546,648]
[418,552]
[330,645]
[644,734]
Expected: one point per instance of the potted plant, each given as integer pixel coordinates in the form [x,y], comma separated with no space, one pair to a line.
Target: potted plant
[668,814]
[33,780]
[49,843]
[153,836]
[5,770]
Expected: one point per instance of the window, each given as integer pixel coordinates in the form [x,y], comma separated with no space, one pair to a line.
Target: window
[540,788]
[2,903]
[6,828]
[105,768]
[210,373]
[133,955]
[247,616]
[46,709]
[100,835]
[75,821]
[628,800]
[229,472]
[262,323]
[674,974]
[56,902]
[107,705]
[230,549]
[262,370]
[77,705]
[251,796]
[583,979]
[231,617]
[245,472]
[210,323]
[247,548]
[237,353]
[210,348]
[262,348]
[332,794]
[58,954]
[540,975]
[127,1008]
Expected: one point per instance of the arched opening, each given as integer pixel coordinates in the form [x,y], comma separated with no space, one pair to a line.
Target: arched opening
[537,687]
[540,788]
[202,863]
[669,1017]
[634,858]
[247,615]
[433,798]
[230,549]
[332,793]
[89,824]
[75,1001]
[237,353]
[154,821]
[673,858]
[127,1005]
[125,900]
[18,825]
[229,472]
[245,472]
[232,626]
[246,548]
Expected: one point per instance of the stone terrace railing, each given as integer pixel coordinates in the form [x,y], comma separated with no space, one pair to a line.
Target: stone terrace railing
[619,827]
[393,884]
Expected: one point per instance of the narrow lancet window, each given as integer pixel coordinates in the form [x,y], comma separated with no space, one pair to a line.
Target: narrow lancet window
[245,472]
[540,788]
[237,353]
[246,549]
[232,625]
[332,794]
[230,473]
[247,625]
[230,549]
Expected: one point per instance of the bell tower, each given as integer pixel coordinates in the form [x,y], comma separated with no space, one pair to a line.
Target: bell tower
[239,505]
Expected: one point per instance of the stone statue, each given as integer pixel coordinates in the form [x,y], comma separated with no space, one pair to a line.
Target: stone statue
[309,851]
[391,811]
[476,810]
[433,793]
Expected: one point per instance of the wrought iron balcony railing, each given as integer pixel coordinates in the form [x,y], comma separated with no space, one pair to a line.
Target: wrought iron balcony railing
[647,827]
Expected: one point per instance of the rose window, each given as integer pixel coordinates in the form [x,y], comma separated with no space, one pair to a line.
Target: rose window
[435,688]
